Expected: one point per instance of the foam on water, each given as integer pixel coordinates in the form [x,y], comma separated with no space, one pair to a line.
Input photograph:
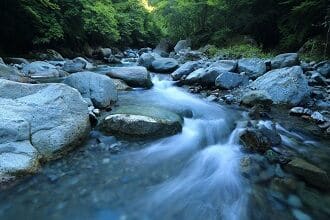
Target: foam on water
[209,186]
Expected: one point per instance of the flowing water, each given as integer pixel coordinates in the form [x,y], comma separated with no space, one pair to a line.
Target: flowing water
[192,175]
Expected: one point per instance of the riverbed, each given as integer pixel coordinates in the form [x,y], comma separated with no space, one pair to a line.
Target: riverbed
[195,174]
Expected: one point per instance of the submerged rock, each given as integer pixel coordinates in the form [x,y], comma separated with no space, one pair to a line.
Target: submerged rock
[38,121]
[309,172]
[99,88]
[142,122]
[136,76]
[164,65]
[284,86]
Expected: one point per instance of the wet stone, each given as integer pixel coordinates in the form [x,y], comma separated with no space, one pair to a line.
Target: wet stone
[309,172]
[253,140]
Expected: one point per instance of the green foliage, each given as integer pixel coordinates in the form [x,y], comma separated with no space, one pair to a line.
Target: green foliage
[99,21]
[43,15]
[287,24]
[238,50]
[75,24]
[303,21]
[313,50]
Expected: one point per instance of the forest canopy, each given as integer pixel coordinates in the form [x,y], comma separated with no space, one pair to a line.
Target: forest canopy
[282,24]
[27,24]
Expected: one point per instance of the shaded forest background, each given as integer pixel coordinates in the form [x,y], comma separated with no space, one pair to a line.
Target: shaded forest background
[77,25]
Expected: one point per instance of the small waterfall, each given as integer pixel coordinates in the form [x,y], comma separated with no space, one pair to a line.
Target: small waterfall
[209,186]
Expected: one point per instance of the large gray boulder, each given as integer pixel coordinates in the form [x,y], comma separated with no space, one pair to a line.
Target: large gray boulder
[205,77]
[73,66]
[17,156]
[41,69]
[229,80]
[164,65]
[182,45]
[134,76]
[226,65]
[253,67]
[185,69]
[284,86]
[40,121]
[146,59]
[257,97]
[195,76]
[6,71]
[78,64]
[99,88]
[209,76]
[285,60]
[142,122]
[10,73]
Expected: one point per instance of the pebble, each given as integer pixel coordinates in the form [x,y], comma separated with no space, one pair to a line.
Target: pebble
[318,117]
[212,98]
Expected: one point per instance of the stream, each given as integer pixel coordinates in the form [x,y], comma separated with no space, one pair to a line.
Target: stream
[192,175]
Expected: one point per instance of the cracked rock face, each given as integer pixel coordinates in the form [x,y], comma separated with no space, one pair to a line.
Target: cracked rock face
[284,86]
[38,122]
